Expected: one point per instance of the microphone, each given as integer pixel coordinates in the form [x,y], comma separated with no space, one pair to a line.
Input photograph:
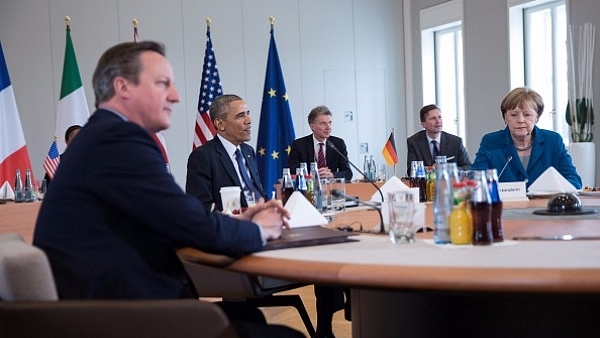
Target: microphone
[332,146]
[339,194]
[505,164]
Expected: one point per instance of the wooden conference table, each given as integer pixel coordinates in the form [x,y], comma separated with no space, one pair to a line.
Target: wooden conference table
[515,288]
[518,288]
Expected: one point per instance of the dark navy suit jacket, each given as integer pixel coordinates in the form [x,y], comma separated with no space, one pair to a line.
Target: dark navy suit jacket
[209,168]
[547,150]
[450,145]
[303,150]
[114,217]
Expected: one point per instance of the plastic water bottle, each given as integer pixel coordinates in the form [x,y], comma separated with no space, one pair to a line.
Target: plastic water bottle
[442,205]
[317,187]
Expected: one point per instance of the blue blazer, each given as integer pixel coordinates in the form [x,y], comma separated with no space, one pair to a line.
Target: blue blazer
[303,150]
[548,149]
[209,168]
[114,217]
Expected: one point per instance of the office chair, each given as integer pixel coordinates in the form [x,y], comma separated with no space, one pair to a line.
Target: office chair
[211,280]
[30,307]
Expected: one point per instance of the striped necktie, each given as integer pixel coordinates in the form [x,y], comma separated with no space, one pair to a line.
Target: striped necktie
[321,156]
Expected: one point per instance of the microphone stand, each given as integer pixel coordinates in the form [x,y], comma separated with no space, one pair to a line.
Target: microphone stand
[332,146]
[338,193]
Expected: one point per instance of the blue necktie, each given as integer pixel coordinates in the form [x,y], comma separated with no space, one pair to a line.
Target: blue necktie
[435,152]
[247,180]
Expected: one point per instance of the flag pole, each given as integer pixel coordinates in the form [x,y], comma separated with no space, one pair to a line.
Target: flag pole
[272,21]
[134,22]
[393,133]
[208,20]
[68,21]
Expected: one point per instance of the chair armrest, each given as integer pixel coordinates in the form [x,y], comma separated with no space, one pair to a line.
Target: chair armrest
[200,257]
[180,318]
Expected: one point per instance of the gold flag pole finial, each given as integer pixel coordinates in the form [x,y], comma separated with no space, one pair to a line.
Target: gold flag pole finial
[272,21]
[68,21]
[208,20]
[134,21]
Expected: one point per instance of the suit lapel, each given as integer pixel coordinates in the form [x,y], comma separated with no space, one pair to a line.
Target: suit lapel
[424,148]
[225,160]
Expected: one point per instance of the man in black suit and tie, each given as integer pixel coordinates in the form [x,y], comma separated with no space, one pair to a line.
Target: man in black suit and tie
[315,147]
[226,160]
[430,142]
[114,217]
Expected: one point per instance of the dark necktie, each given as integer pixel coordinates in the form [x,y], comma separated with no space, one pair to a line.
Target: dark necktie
[435,153]
[247,180]
[321,156]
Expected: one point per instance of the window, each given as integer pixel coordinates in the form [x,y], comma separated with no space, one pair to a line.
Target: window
[540,27]
[442,58]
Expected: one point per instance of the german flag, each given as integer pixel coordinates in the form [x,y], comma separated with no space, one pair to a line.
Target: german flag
[389,151]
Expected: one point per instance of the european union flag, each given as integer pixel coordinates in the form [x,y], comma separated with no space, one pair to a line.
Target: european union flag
[276,129]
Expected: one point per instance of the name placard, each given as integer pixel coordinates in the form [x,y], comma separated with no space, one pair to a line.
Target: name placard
[512,191]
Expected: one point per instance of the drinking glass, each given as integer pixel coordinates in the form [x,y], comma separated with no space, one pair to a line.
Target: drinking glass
[401,213]
[338,201]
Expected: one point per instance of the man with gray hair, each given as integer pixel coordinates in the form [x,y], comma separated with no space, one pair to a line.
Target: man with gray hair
[317,147]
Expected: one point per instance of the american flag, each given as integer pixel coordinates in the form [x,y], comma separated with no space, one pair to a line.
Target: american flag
[210,88]
[52,160]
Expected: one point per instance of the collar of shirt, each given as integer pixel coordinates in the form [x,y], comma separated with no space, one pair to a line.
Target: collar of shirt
[229,147]
[437,139]
[316,144]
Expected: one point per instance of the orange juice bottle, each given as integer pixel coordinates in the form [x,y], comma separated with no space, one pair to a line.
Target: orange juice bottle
[461,227]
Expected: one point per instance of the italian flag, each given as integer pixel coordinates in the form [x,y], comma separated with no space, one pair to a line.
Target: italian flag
[72,107]
[13,150]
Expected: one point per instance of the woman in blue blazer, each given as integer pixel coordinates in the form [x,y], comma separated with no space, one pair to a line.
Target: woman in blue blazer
[522,151]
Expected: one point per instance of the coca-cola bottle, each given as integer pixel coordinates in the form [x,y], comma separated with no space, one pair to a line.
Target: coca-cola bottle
[492,179]
[287,185]
[481,210]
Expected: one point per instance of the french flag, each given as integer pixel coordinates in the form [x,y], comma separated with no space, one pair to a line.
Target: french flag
[13,150]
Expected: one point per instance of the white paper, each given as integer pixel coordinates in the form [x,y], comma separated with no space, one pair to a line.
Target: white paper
[550,182]
[395,184]
[6,191]
[302,212]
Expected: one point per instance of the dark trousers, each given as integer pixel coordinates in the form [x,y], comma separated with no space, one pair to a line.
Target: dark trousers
[249,322]
[330,300]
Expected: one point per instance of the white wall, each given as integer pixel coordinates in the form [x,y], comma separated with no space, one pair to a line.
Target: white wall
[343,53]
[347,54]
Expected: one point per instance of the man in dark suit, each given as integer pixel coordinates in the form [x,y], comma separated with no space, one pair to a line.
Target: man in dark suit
[432,141]
[114,217]
[316,147]
[215,164]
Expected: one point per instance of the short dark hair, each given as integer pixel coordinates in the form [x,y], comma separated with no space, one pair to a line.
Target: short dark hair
[519,96]
[423,112]
[70,130]
[316,112]
[120,60]
[220,106]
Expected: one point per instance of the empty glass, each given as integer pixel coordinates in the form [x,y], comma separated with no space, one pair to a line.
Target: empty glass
[401,213]
[338,193]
